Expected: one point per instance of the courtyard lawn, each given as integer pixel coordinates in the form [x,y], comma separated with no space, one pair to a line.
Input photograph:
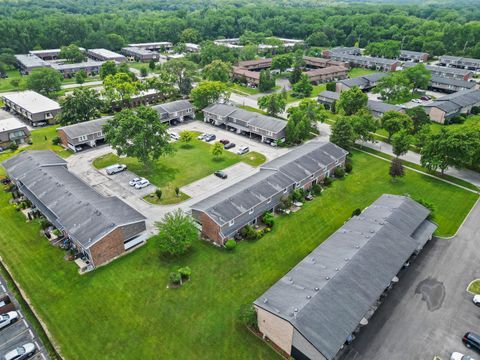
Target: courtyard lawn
[356,72]
[125,311]
[5,84]
[187,165]
[474,287]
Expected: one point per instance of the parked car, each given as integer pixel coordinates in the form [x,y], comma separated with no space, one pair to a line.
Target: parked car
[20,353]
[174,136]
[142,183]
[273,144]
[224,141]
[8,318]
[426,98]
[78,148]
[476,300]
[134,181]
[229,146]
[220,174]
[201,136]
[209,137]
[39,123]
[472,341]
[6,304]
[116,168]
[417,101]
[460,356]
[243,150]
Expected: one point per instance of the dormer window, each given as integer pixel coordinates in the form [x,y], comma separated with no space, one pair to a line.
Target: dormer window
[231,222]
[250,211]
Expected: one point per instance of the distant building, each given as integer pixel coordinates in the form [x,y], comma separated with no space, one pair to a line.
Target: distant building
[140,54]
[225,213]
[366,61]
[365,82]
[342,50]
[153,46]
[28,62]
[12,130]
[446,72]
[327,74]
[444,108]
[414,56]
[323,302]
[258,64]
[377,108]
[35,108]
[316,62]
[460,62]
[49,54]
[250,77]
[105,55]
[175,111]
[88,134]
[233,43]
[100,228]
[449,85]
[255,125]
[192,47]
[91,67]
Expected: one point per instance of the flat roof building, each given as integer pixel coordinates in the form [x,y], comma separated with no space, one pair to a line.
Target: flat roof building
[140,54]
[12,130]
[105,55]
[33,107]
[225,213]
[265,128]
[313,311]
[365,82]
[29,62]
[153,46]
[100,228]
[91,67]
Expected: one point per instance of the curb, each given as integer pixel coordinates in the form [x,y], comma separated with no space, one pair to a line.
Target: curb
[463,222]
[471,282]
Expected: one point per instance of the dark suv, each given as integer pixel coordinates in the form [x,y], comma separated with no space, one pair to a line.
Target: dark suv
[472,341]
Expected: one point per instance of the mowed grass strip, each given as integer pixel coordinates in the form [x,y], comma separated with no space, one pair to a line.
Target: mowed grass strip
[125,311]
[189,163]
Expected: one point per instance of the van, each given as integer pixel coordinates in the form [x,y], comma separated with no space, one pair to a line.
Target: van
[243,150]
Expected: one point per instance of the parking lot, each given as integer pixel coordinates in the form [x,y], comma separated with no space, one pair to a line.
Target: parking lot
[20,332]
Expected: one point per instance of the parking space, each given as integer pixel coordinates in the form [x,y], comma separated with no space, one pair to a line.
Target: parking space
[19,332]
[239,140]
[123,178]
[212,184]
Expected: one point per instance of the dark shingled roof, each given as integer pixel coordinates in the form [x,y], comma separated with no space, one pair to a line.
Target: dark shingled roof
[67,201]
[456,101]
[363,81]
[85,128]
[327,294]
[272,178]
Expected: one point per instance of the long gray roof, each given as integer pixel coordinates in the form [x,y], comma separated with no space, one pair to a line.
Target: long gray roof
[327,294]
[30,61]
[441,69]
[67,201]
[359,58]
[456,101]
[85,128]
[32,101]
[264,122]
[460,60]
[363,81]
[174,106]
[454,82]
[272,178]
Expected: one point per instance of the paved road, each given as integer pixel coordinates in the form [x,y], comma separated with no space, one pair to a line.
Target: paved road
[429,310]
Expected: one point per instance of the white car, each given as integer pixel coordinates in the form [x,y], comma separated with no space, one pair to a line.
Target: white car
[142,183]
[8,319]
[134,181]
[460,356]
[174,136]
[20,353]
[201,136]
[243,150]
[476,300]
[116,168]
[417,101]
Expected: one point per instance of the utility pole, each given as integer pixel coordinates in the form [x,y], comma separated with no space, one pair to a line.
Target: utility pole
[403,39]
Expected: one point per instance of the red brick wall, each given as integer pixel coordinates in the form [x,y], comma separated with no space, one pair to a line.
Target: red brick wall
[63,137]
[210,228]
[108,247]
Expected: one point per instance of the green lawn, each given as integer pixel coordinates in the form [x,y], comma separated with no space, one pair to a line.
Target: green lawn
[125,311]
[5,84]
[249,108]
[356,72]
[474,287]
[184,167]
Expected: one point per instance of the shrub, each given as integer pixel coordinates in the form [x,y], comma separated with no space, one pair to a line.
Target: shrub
[143,72]
[13,146]
[348,167]
[248,233]
[259,234]
[475,110]
[56,232]
[230,244]
[158,192]
[331,86]
[339,172]
[56,140]
[285,202]
[316,189]
[457,120]
[268,219]
[297,195]
[327,181]
[175,277]
[267,230]
[356,212]
[177,191]
[44,224]
[248,316]
[185,272]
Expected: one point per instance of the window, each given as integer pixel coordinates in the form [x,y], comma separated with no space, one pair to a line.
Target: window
[83,138]
[231,222]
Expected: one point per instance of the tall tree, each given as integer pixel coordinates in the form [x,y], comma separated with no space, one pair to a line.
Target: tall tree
[343,134]
[401,142]
[45,81]
[267,81]
[108,68]
[303,88]
[190,35]
[176,233]
[217,70]
[80,76]
[209,92]
[72,53]
[351,101]
[282,62]
[396,169]
[273,104]
[138,133]
[395,87]
[419,117]
[394,121]
[418,76]
[364,125]
[82,105]
[184,70]
[120,87]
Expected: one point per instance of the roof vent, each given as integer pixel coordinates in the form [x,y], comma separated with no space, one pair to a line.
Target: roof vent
[327,277]
[309,296]
[265,300]
[295,310]
[357,246]
[316,289]
[346,259]
[372,231]
[337,269]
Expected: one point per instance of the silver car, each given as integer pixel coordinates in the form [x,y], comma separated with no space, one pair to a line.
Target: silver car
[20,353]
[8,319]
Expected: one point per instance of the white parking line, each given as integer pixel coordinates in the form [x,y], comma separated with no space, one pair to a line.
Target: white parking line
[25,322]
[3,288]
[43,356]
[36,344]
[14,338]
[31,334]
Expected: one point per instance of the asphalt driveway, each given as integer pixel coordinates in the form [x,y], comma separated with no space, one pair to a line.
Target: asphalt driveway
[429,310]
